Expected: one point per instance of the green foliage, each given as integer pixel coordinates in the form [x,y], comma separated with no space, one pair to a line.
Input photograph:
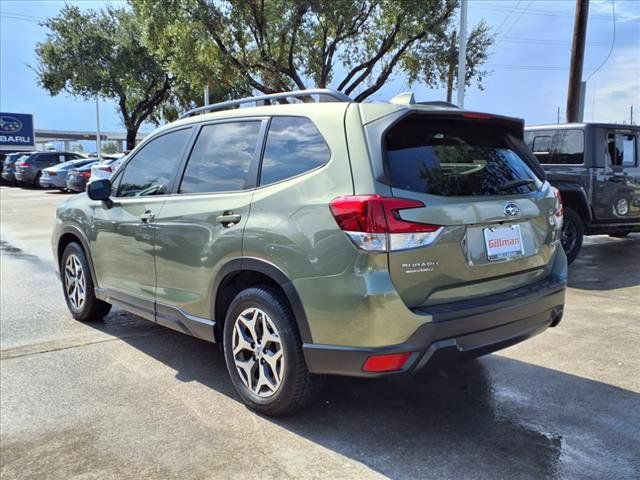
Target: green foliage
[273,45]
[109,148]
[478,43]
[77,148]
[101,53]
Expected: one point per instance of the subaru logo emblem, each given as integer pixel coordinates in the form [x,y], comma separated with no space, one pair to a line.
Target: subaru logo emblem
[512,209]
[9,124]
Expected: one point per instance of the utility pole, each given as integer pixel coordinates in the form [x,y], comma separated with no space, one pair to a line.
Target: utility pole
[462,53]
[631,115]
[98,136]
[574,97]
[558,115]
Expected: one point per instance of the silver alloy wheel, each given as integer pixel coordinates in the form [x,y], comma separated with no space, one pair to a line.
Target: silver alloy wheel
[257,352]
[74,282]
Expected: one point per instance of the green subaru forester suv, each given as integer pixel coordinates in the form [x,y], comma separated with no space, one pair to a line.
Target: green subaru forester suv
[323,237]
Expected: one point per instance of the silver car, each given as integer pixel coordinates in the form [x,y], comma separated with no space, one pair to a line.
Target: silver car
[56,176]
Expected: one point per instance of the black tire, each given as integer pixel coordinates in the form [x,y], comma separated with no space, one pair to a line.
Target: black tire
[36,180]
[297,386]
[572,234]
[620,233]
[91,308]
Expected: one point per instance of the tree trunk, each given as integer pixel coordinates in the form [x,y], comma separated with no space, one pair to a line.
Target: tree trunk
[450,76]
[131,138]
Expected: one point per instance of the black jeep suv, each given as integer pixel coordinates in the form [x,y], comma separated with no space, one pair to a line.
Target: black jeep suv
[596,167]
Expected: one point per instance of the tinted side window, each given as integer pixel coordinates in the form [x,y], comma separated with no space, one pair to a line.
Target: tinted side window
[294,146]
[152,170]
[221,158]
[559,147]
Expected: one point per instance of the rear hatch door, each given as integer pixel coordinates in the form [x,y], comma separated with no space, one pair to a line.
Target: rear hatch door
[477,180]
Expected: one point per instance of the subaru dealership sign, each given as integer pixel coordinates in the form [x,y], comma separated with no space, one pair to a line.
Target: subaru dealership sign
[16,130]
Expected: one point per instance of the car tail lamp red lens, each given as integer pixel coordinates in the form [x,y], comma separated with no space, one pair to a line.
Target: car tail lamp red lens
[23,164]
[85,174]
[373,222]
[386,363]
[52,174]
[477,116]
[106,168]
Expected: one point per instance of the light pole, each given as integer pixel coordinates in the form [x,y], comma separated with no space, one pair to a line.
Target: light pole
[462,53]
[98,136]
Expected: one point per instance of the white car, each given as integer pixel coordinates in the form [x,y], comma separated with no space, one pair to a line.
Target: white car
[106,167]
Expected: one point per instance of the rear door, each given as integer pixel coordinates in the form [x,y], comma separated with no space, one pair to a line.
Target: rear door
[478,181]
[201,225]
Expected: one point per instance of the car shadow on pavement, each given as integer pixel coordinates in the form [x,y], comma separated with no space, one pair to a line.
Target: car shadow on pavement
[507,418]
[607,264]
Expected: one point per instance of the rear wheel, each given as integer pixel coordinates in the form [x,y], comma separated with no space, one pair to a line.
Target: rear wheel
[572,234]
[78,286]
[263,352]
[36,180]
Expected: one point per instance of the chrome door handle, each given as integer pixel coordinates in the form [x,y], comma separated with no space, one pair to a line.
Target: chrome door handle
[228,219]
[147,216]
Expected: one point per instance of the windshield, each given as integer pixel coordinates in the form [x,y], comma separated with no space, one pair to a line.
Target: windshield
[456,158]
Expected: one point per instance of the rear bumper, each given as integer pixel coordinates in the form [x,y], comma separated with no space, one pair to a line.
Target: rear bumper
[464,329]
[76,185]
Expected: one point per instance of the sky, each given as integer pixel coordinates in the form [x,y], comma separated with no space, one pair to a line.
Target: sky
[528,69]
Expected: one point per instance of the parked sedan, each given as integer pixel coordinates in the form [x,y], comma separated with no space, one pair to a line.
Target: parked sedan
[77,178]
[56,176]
[106,168]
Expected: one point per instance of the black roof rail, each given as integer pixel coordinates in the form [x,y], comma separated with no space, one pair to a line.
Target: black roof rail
[321,92]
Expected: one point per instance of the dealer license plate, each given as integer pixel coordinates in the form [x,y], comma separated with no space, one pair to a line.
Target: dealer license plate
[503,243]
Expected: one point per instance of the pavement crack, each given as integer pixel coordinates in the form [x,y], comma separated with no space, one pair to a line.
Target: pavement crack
[65,344]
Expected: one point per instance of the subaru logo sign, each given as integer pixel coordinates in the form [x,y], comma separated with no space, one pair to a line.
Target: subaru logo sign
[9,124]
[511,209]
[16,130]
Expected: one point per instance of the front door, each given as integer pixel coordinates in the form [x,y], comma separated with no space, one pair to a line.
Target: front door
[617,185]
[200,228]
[123,237]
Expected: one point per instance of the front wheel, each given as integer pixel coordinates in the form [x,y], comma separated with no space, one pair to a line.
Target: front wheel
[572,234]
[263,352]
[78,286]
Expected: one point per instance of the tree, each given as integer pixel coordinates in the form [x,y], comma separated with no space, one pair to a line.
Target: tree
[101,53]
[276,45]
[77,148]
[109,148]
[478,44]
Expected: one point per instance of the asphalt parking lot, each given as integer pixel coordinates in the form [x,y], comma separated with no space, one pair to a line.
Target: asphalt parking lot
[128,399]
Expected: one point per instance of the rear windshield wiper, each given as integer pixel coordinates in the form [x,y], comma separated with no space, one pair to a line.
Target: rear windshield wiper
[516,183]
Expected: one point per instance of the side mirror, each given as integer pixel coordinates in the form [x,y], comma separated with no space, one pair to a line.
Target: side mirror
[100,190]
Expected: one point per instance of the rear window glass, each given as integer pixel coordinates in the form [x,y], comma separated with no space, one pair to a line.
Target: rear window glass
[556,147]
[294,146]
[455,158]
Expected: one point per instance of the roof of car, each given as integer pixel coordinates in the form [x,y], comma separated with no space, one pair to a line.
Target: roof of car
[562,126]
[369,111]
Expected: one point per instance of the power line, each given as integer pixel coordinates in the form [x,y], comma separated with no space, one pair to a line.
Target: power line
[613,41]
[531,11]
[507,17]
[511,26]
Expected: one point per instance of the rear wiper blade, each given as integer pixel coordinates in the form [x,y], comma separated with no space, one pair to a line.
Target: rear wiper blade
[516,183]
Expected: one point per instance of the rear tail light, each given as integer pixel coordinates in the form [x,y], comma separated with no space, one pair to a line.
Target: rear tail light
[24,164]
[85,174]
[106,168]
[51,174]
[386,363]
[373,223]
